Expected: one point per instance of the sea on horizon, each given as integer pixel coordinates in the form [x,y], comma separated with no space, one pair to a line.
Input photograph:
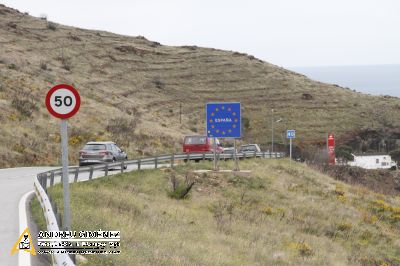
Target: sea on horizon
[370,79]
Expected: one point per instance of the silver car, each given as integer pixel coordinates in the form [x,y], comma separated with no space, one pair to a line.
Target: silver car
[249,148]
[101,152]
[229,150]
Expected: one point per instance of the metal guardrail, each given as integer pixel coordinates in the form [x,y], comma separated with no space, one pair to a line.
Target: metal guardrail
[53,218]
[52,223]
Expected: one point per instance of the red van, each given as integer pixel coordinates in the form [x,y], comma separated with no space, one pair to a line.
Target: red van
[197,144]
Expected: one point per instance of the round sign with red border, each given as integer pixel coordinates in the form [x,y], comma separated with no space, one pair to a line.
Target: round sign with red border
[63,101]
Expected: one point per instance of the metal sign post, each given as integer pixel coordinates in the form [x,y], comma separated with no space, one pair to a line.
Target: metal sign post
[235,155]
[215,154]
[65,176]
[290,162]
[63,101]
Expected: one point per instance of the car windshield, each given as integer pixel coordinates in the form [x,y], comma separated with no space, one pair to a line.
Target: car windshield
[195,140]
[94,147]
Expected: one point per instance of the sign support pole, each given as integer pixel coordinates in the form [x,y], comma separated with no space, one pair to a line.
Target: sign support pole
[65,176]
[290,162]
[215,154]
[235,155]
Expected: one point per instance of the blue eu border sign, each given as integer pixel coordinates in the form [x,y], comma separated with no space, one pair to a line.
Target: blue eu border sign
[223,120]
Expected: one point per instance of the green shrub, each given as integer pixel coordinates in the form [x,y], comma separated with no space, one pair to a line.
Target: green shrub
[180,190]
[344,152]
[51,26]
[159,83]
[12,66]
[395,155]
[245,122]
[24,106]
[43,66]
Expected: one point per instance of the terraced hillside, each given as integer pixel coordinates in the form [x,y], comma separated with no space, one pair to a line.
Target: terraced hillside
[132,88]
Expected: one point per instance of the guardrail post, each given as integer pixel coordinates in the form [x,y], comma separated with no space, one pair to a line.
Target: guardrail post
[122,167]
[204,156]
[106,169]
[138,164]
[43,180]
[76,175]
[255,154]
[52,179]
[244,155]
[155,162]
[187,157]
[91,173]
[172,160]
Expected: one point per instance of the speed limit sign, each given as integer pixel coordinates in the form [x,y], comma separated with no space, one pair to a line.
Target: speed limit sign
[63,101]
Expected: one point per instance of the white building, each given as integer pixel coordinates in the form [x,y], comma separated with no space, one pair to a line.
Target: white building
[372,161]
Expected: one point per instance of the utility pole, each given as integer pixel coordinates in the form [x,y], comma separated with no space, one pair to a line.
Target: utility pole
[180,112]
[272,129]
[272,138]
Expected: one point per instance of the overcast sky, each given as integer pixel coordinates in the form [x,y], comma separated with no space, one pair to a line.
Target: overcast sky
[283,32]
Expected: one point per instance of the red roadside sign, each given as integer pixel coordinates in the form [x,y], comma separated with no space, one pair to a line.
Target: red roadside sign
[63,101]
[331,149]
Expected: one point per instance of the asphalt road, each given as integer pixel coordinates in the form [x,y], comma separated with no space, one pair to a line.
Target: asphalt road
[14,183]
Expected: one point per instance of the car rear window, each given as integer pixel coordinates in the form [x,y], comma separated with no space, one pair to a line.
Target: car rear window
[249,148]
[94,147]
[195,140]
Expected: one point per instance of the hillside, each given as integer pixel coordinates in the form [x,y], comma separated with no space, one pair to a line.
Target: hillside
[132,88]
[278,215]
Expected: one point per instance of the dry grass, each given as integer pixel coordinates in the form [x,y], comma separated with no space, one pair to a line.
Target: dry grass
[279,215]
[123,78]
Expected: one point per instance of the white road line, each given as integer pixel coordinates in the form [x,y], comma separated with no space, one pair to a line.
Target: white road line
[24,258]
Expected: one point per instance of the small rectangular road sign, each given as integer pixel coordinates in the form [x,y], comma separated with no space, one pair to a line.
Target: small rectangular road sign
[223,120]
[291,134]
